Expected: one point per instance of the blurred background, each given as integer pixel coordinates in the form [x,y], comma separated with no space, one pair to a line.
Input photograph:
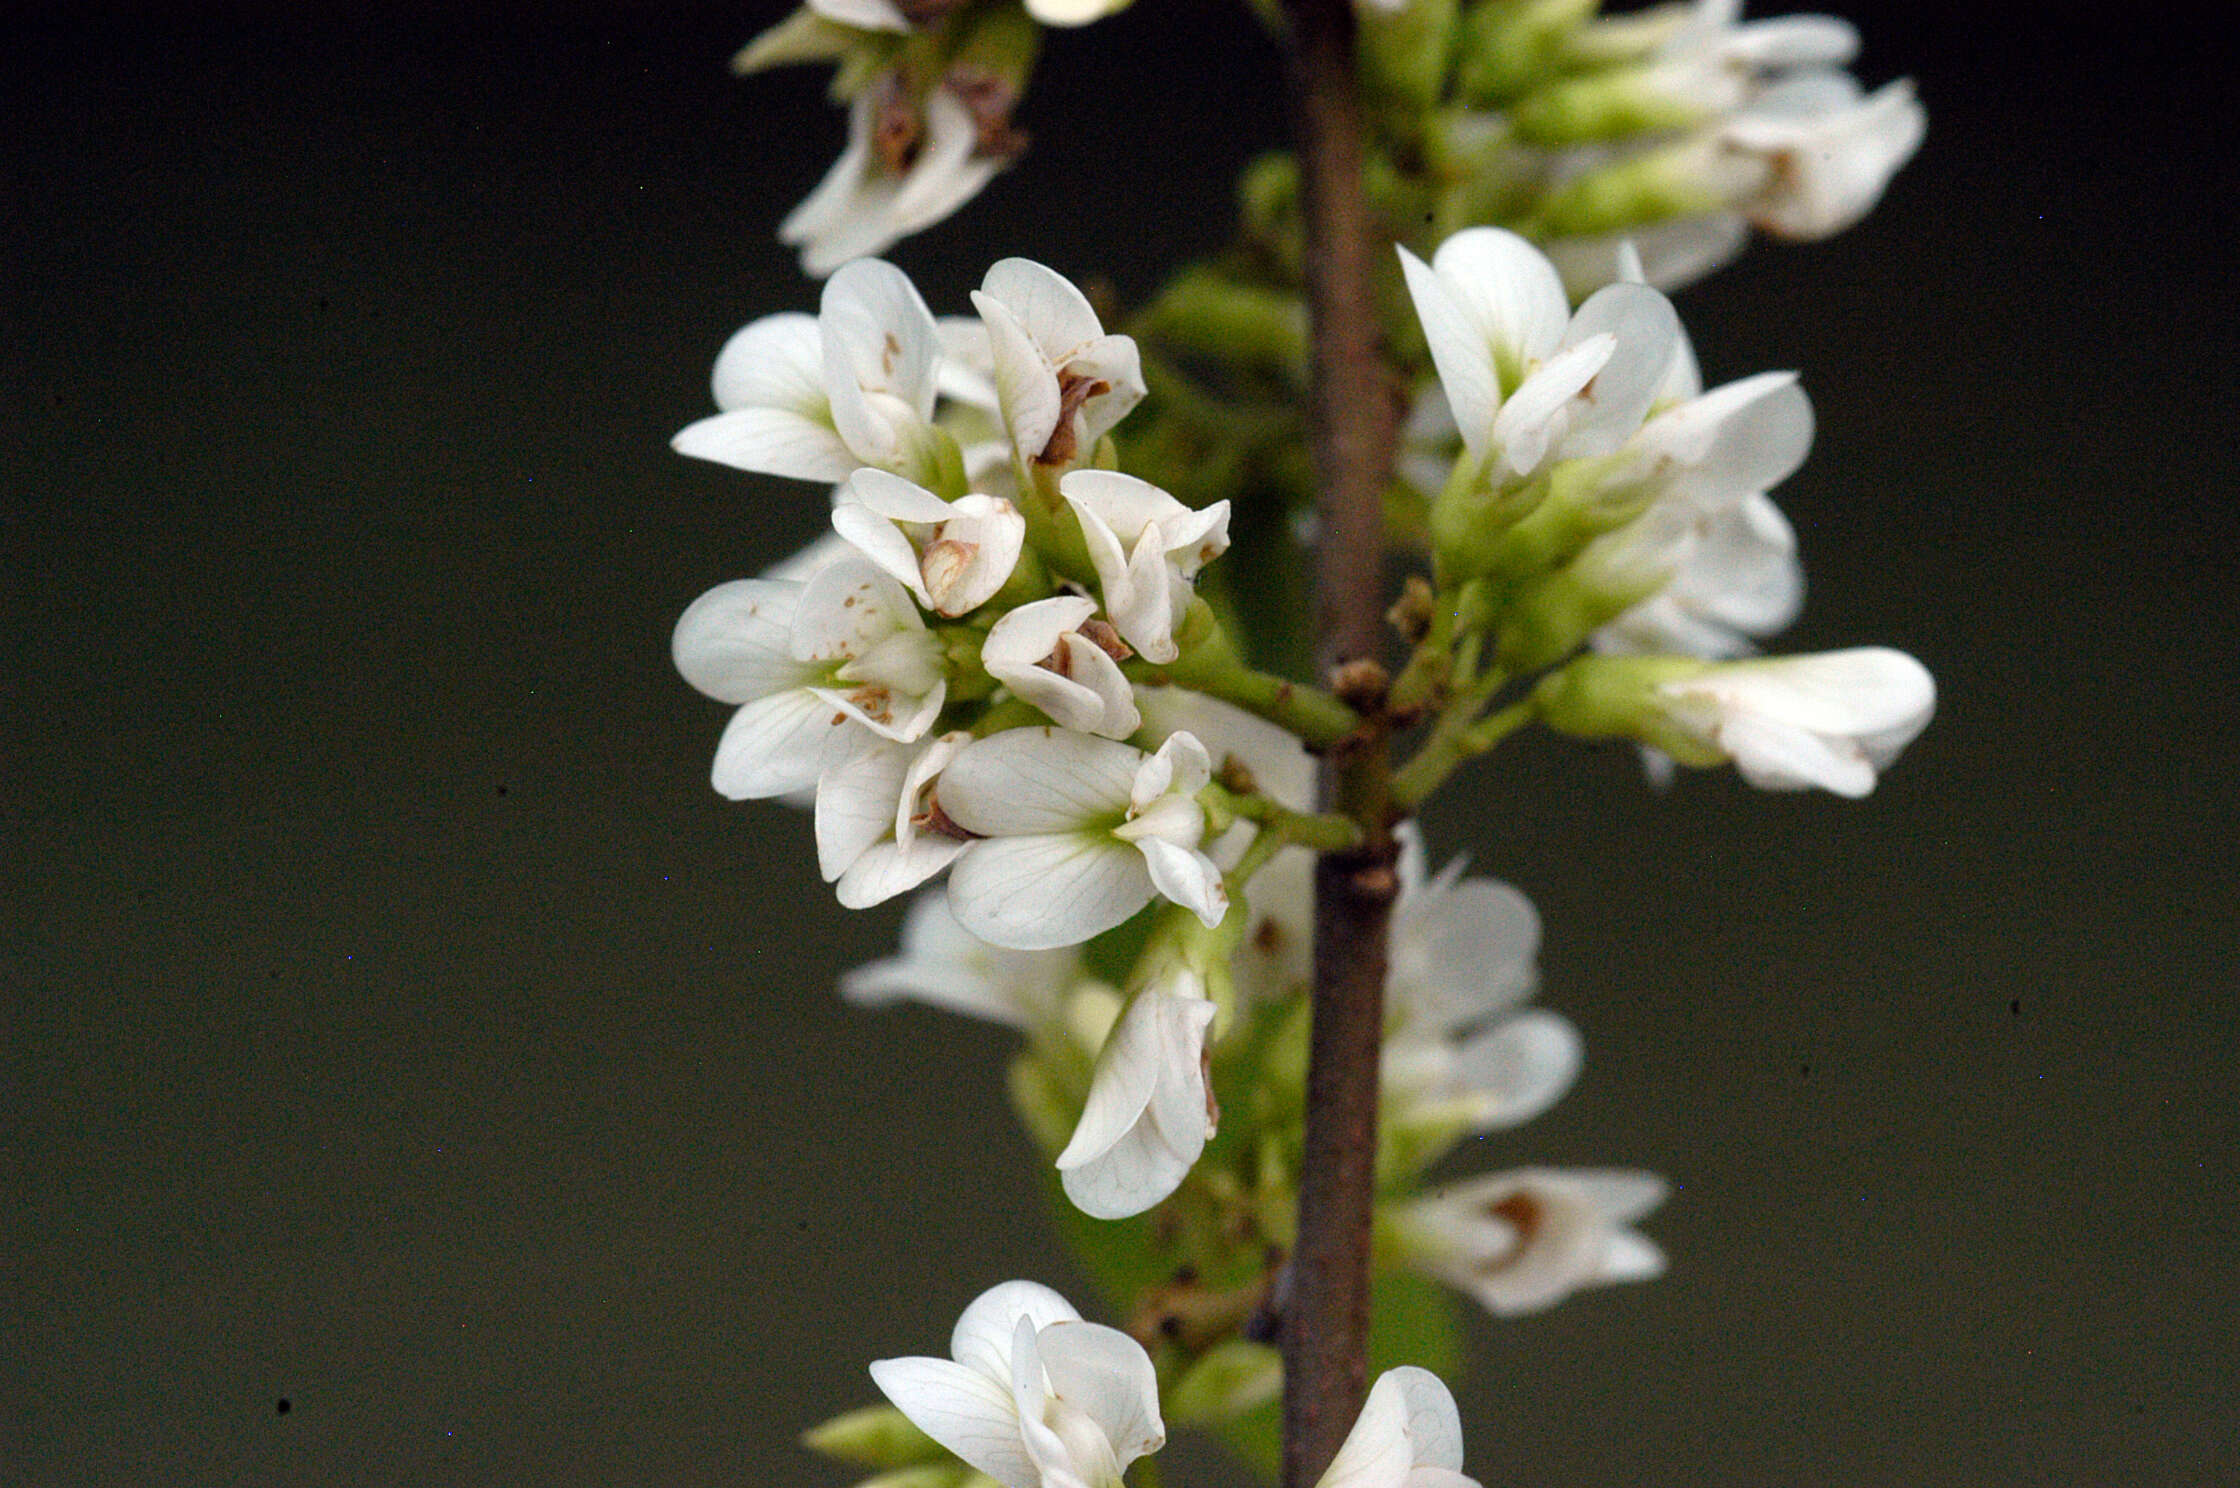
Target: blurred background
[414,1074]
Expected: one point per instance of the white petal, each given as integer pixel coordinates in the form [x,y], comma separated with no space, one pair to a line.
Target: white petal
[1126,504]
[1106,1375]
[979,545]
[1036,893]
[879,350]
[1188,877]
[774,362]
[888,868]
[878,539]
[1056,315]
[834,201]
[1616,401]
[1408,1422]
[1026,635]
[945,966]
[855,804]
[1463,951]
[1507,291]
[1529,425]
[847,610]
[948,172]
[1085,691]
[1521,1066]
[964,1410]
[896,499]
[864,15]
[1038,780]
[1147,1117]
[1469,378]
[734,642]
[1621,1195]
[1026,384]
[768,441]
[780,743]
[988,1327]
[1878,697]
[1628,1255]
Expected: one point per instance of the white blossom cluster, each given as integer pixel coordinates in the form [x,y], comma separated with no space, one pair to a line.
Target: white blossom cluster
[997,665]
[1600,416]
[866,679]
[1707,126]
[1034,1397]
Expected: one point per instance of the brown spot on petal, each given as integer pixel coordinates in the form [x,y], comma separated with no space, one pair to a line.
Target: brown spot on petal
[1213,1107]
[1065,440]
[1100,634]
[933,819]
[944,567]
[876,702]
[989,99]
[1524,1213]
[898,129]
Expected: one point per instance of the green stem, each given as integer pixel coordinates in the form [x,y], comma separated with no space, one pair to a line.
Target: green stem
[1210,664]
[1457,739]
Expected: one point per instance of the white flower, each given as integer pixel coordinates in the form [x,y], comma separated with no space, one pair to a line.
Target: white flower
[1147,547]
[1082,832]
[953,556]
[1031,1395]
[878,833]
[1074,12]
[906,166]
[1829,720]
[1045,653]
[1062,381]
[1732,578]
[816,398]
[1527,379]
[1408,1435]
[1150,1110]
[1463,1052]
[864,15]
[1525,1240]
[1816,154]
[1673,254]
[818,669]
[1712,557]
[1715,63]
[946,966]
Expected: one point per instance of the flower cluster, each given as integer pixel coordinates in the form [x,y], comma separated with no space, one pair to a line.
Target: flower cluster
[1017,661]
[1601,497]
[1031,1396]
[1677,128]
[998,666]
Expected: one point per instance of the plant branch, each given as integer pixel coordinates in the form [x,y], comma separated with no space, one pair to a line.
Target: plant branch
[1325,1317]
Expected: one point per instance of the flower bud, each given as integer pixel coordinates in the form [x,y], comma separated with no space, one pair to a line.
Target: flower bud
[875,1436]
[1227,1380]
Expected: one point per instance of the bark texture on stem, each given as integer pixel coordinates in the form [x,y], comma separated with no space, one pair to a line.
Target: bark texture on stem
[1325,1319]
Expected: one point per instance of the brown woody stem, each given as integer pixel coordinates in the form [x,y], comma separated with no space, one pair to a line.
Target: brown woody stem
[1325,1316]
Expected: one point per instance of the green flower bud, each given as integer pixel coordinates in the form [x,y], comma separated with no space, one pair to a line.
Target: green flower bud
[1404,53]
[1655,186]
[1509,45]
[1604,106]
[877,1436]
[1615,697]
[1227,1380]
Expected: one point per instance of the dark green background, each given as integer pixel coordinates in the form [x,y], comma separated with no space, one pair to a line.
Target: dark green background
[399,1027]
